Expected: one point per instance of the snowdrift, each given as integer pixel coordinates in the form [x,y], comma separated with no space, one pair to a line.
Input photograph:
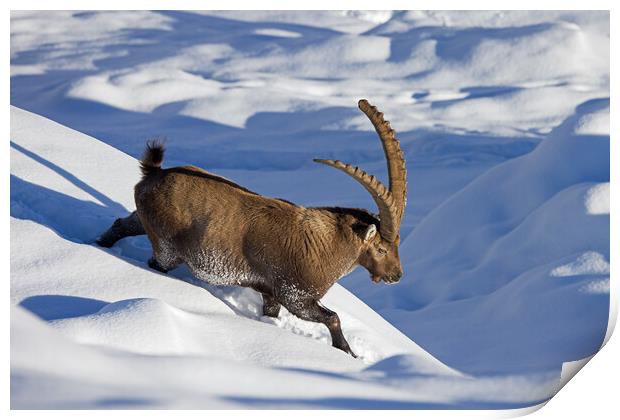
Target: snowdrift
[514,268]
[118,334]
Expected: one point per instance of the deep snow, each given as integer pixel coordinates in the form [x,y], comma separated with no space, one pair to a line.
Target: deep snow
[121,335]
[504,120]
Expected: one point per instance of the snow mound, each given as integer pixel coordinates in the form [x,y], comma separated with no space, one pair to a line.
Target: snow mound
[80,376]
[588,263]
[143,91]
[147,326]
[277,33]
[596,123]
[374,16]
[90,377]
[346,21]
[498,243]
[597,199]
[403,370]
[84,36]
[154,327]
[597,287]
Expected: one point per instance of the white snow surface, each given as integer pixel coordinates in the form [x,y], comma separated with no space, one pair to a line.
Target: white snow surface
[504,121]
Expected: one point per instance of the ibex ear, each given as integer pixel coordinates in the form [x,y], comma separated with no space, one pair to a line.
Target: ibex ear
[370,233]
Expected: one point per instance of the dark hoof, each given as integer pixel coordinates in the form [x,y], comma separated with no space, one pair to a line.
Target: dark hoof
[110,236]
[271,307]
[155,266]
[105,242]
[271,312]
[347,349]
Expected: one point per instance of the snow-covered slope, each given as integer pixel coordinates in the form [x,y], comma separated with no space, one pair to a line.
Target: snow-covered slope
[119,334]
[117,328]
[514,269]
[504,121]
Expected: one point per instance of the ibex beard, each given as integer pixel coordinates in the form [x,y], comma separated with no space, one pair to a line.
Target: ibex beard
[292,255]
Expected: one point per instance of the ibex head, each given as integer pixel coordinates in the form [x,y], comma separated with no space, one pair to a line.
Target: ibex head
[379,254]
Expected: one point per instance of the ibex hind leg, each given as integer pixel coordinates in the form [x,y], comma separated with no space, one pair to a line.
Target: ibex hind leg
[121,228]
[311,310]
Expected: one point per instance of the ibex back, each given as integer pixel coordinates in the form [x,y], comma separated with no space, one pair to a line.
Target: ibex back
[292,255]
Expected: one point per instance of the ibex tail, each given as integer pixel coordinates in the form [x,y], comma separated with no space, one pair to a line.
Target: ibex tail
[153,157]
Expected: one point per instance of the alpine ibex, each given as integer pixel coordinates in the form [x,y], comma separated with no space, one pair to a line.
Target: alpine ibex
[292,255]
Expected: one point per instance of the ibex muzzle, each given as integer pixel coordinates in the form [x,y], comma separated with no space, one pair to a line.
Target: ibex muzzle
[292,255]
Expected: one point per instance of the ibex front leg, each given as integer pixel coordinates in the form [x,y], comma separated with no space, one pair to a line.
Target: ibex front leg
[271,307]
[121,228]
[312,310]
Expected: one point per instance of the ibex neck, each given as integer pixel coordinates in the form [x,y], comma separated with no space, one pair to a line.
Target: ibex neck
[334,239]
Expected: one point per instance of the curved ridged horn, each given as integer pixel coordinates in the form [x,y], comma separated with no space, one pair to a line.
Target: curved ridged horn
[379,193]
[397,171]
[392,201]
